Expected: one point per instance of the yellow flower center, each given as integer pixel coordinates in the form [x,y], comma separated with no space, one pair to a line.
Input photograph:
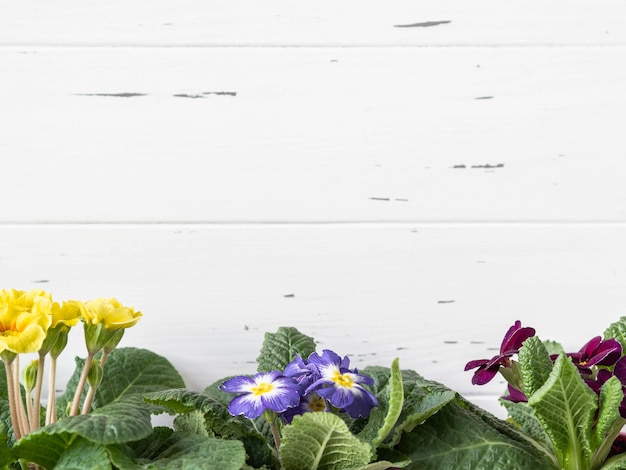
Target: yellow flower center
[317,404]
[262,389]
[343,380]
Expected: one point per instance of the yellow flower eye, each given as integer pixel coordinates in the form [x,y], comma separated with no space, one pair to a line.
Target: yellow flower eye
[343,380]
[317,404]
[261,389]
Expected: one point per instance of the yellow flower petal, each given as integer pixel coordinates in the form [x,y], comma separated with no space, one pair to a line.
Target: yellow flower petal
[110,312]
[26,341]
[25,317]
[68,314]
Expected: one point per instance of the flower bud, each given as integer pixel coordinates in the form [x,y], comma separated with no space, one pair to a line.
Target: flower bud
[61,341]
[114,341]
[97,336]
[94,378]
[29,375]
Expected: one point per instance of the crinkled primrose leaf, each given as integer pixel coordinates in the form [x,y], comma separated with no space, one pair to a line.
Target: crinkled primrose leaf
[280,348]
[565,406]
[608,422]
[62,450]
[421,399]
[322,441]
[127,371]
[206,415]
[617,330]
[118,422]
[524,417]
[535,363]
[182,450]
[461,435]
[383,418]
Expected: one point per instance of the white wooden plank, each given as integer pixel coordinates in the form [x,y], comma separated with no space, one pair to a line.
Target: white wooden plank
[325,22]
[284,135]
[435,296]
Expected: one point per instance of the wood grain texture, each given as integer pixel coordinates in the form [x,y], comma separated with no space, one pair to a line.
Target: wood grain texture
[354,23]
[322,135]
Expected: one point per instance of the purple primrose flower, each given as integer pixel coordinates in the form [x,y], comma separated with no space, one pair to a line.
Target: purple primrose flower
[597,353]
[265,391]
[302,371]
[512,342]
[515,395]
[340,385]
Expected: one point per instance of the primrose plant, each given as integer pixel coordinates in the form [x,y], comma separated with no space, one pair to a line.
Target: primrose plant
[320,384]
[571,405]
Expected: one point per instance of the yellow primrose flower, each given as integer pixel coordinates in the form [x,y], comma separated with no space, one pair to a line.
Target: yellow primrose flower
[105,321]
[67,314]
[25,317]
[110,312]
[63,318]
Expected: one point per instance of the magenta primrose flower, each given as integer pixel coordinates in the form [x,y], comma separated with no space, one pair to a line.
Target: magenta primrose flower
[515,395]
[597,353]
[340,385]
[512,342]
[264,391]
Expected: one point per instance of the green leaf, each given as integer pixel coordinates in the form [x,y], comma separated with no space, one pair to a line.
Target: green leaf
[383,418]
[535,364]
[127,371]
[280,348]
[422,399]
[118,422]
[216,421]
[617,330]
[81,454]
[322,441]
[6,453]
[149,446]
[130,371]
[383,465]
[43,448]
[524,417]
[62,451]
[192,422]
[182,451]
[462,436]
[6,434]
[565,406]
[611,396]
[609,422]
[398,459]
[617,462]
[553,347]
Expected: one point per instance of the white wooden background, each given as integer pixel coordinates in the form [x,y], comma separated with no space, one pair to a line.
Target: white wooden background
[400,178]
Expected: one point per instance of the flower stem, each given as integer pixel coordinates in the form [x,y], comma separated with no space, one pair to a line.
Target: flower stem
[29,406]
[36,411]
[51,410]
[81,384]
[270,418]
[15,422]
[19,404]
[91,393]
[275,434]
